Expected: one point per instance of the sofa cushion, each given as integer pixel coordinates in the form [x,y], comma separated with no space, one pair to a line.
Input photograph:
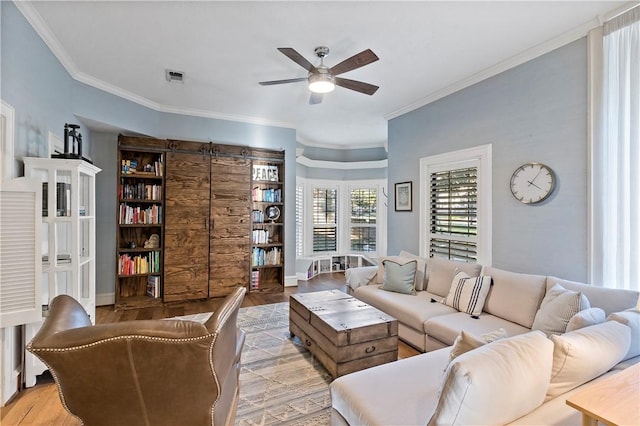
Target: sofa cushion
[467,294]
[556,412]
[610,300]
[466,341]
[421,278]
[446,328]
[399,277]
[584,354]
[420,268]
[557,308]
[630,318]
[514,297]
[410,310]
[585,318]
[496,383]
[403,392]
[441,271]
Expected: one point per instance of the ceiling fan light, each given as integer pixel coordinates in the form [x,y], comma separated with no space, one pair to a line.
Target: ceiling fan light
[321,83]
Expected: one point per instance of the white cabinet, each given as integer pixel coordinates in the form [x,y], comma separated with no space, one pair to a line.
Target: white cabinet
[68,241]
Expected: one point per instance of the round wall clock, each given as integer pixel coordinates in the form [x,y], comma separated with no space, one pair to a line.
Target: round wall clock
[532,183]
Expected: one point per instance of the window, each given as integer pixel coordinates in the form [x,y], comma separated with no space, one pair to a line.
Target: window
[615,153]
[299,220]
[325,219]
[454,214]
[363,212]
[455,205]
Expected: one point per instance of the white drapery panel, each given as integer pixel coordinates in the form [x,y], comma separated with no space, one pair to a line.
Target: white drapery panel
[616,154]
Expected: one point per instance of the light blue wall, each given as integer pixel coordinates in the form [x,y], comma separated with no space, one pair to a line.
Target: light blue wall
[534,112]
[34,83]
[45,97]
[345,155]
[340,174]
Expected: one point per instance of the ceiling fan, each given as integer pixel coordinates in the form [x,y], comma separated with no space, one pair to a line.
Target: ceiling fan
[322,79]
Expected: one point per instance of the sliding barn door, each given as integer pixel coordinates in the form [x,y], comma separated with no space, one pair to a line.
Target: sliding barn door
[230,244]
[186,230]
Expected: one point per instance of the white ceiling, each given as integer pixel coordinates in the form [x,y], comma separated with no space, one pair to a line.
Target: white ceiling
[426,50]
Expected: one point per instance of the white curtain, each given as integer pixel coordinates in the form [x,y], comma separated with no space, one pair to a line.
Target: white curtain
[616,156]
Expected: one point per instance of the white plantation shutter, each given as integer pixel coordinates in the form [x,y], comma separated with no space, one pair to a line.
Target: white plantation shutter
[363,217]
[454,214]
[20,262]
[325,219]
[299,220]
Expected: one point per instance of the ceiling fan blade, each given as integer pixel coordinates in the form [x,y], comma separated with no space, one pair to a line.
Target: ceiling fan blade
[358,86]
[290,80]
[315,98]
[298,59]
[356,61]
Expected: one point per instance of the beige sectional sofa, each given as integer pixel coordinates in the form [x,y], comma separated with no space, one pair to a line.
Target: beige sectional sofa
[512,302]
[524,378]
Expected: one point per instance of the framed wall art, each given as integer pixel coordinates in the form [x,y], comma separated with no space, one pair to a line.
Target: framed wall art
[404,197]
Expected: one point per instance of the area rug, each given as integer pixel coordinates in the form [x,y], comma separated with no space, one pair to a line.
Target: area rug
[280,381]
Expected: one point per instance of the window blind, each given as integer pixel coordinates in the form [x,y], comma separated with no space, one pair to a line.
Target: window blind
[363,211]
[324,219]
[299,220]
[454,214]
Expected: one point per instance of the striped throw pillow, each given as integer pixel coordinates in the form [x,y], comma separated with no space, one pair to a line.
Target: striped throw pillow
[557,308]
[467,294]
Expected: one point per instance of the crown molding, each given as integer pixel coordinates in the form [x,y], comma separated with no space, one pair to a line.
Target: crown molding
[507,64]
[35,20]
[341,165]
[307,142]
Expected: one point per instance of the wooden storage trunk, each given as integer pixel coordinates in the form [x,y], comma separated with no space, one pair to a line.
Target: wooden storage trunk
[344,333]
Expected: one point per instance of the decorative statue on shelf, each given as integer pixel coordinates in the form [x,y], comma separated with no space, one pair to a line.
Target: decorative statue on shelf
[153,241]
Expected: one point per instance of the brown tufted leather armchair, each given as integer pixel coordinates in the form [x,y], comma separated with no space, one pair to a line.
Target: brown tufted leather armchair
[152,372]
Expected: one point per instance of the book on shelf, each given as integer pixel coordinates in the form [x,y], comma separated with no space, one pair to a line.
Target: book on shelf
[262,257]
[255,280]
[63,199]
[260,236]
[268,195]
[60,258]
[141,264]
[136,215]
[140,191]
[130,167]
[153,286]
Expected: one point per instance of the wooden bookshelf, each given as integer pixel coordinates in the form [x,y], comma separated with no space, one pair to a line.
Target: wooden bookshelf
[267,226]
[140,223]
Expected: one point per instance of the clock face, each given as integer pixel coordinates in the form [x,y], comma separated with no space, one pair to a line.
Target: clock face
[532,183]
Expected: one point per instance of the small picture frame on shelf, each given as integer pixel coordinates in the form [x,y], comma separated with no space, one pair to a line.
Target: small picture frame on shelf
[403,197]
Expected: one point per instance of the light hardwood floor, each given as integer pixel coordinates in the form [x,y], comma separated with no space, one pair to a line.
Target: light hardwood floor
[40,405]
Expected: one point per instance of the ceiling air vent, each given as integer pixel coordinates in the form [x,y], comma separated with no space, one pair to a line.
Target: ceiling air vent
[177,76]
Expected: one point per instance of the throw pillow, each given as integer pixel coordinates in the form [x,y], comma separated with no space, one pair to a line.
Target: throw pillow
[630,318]
[440,272]
[466,341]
[497,383]
[557,308]
[421,271]
[399,278]
[421,267]
[585,354]
[585,318]
[467,294]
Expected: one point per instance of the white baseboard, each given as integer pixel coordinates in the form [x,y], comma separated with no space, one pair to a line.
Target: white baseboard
[105,299]
[291,281]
